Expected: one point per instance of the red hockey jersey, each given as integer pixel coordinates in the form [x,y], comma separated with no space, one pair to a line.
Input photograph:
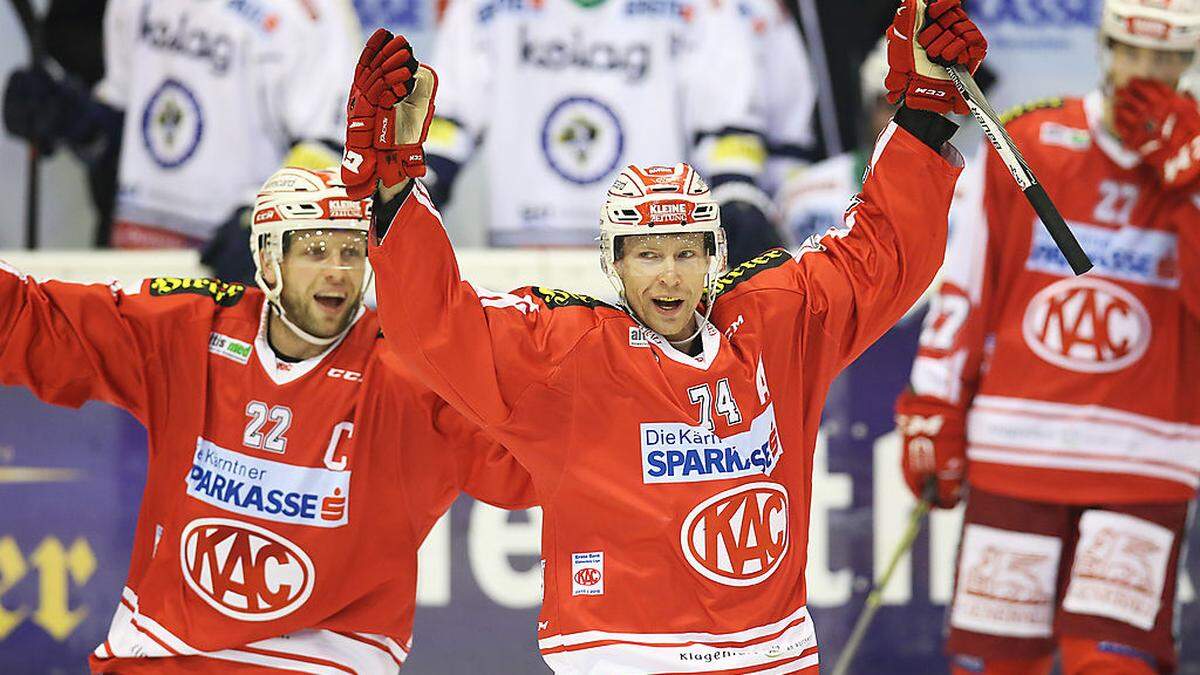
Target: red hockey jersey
[1072,389]
[675,489]
[285,502]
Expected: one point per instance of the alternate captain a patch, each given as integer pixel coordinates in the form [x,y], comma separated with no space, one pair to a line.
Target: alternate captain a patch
[222,293]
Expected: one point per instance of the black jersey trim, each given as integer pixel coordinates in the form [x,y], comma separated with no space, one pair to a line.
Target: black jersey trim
[1026,108]
[222,293]
[760,263]
[555,298]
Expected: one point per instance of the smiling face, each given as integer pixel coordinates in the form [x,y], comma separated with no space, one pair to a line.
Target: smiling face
[664,279]
[322,279]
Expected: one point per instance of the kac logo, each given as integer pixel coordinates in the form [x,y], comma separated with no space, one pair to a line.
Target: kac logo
[738,537]
[245,571]
[1087,325]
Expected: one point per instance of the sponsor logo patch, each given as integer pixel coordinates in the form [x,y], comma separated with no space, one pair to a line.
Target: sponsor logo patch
[1120,568]
[1006,582]
[738,537]
[674,452]
[261,488]
[172,124]
[1129,254]
[637,337]
[1087,325]
[244,571]
[1053,133]
[224,294]
[230,348]
[582,140]
[587,573]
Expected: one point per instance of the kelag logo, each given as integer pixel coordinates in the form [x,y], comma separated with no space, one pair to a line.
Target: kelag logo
[1036,12]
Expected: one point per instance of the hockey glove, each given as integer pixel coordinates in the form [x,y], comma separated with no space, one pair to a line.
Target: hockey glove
[934,444]
[1163,126]
[919,43]
[387,116]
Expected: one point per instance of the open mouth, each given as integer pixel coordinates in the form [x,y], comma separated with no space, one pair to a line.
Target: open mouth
[330,301]
[668,305]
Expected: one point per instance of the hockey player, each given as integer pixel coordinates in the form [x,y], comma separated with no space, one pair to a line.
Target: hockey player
[1068,403]
[669,438]
[602,84]
[293,473]
[190,159]
[788,90]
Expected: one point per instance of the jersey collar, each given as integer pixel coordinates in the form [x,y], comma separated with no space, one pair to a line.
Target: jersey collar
[284,372]
[1110,145]
[710,340]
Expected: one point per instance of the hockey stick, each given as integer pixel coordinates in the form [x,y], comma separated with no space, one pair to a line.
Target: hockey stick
[1021,173]
[37,51]
[875,598]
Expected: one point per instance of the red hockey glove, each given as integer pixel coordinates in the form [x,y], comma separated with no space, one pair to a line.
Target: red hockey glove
[1163,126]
[387,116]
[934,445]
[945,36]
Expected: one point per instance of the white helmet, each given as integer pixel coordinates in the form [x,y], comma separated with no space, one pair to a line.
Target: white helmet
[1155,24]
[296,199]
[660,200]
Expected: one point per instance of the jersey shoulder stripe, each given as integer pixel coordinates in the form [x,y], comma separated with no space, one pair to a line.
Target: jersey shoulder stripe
[1025,108]
[222,293]
[760,263]
[555,298]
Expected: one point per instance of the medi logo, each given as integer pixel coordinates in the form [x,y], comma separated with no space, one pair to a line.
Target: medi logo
[679,453]
[261,488]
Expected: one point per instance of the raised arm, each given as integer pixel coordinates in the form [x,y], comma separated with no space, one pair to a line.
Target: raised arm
[71,343]
[481,351]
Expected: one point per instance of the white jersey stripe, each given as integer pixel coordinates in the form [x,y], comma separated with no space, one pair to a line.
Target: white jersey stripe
[1090,413]
[683,652]
[1035,458]
[1091,432]
[747,635]
[135,635]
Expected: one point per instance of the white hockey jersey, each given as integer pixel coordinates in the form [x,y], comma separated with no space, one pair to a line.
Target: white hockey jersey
[215,94]
[570,91]
[788,88]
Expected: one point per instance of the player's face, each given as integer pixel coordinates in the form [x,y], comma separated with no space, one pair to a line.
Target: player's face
[664,280]
[1128,62]
[323,279]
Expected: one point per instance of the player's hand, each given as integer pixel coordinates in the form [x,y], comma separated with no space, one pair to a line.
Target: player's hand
[934,445]
[387,116]
[919,43]
[1163,126]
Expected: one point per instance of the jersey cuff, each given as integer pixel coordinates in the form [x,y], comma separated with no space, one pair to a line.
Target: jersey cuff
[385,212]
[929,127]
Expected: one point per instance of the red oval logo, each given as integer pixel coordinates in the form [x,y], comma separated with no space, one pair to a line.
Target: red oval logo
[1087,325]
[245,571]
[588,576]
[739,536]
